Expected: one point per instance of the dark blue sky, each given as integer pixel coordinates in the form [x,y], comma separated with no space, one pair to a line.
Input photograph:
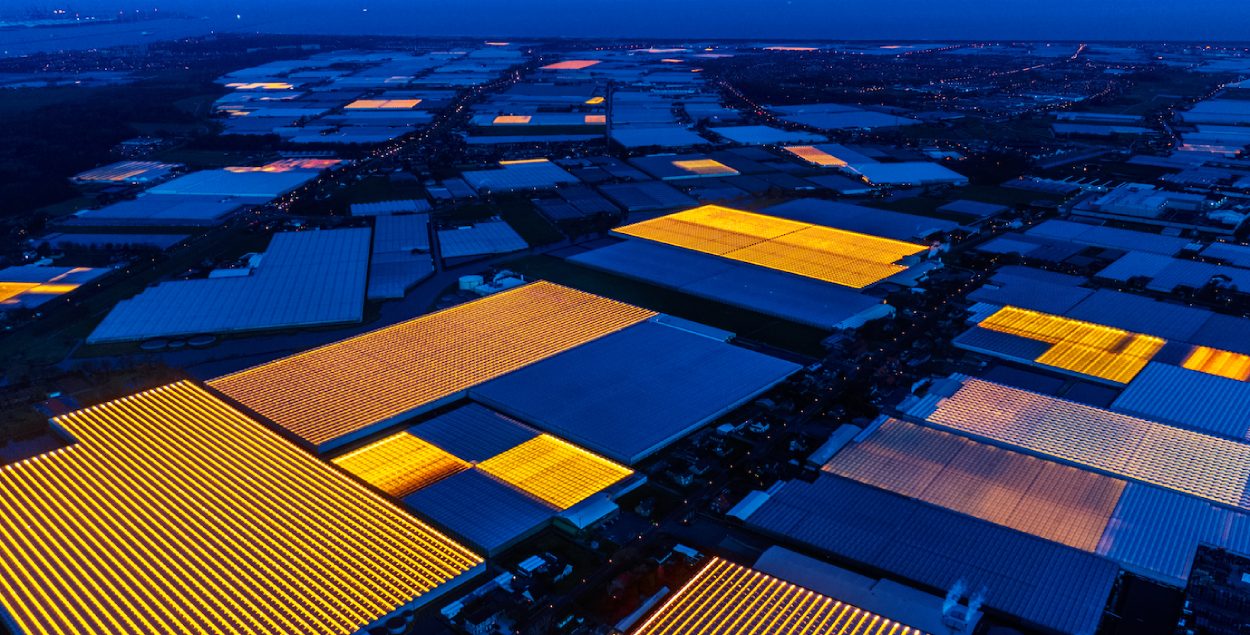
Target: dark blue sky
[764,19]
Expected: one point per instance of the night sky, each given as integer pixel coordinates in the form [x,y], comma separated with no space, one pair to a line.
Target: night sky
[763,19]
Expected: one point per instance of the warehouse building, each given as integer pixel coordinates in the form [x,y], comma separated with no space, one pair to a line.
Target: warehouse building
[343,392]
[515,176]
[127,172]
[864,220]
[31,286]
[487,479]
[253,185]
[1044,319]
[303,279]
[160,210]
[731,599]
[765,135]
[1038,583]
[765,291]
[480,239]
[805,272]
[1058,240]
[1167,488]
[275,542]
[401,255]
[631,393]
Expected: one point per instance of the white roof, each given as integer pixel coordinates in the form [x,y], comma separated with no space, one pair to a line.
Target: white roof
[761,135]
[520,175]
[162,209]
[305,278]
[908,173]
[492,237]
[230,182]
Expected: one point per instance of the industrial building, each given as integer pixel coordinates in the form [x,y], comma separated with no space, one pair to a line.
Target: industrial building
[521,175]
[731,599]
[303,279]
[30,286]
[487,479]
[159,210]
[799,270]
[1047,319]
[484,350]
[127,172]
[172,512]
[254,185]
[1168,488]
[1035,582]
[840,257]
[401,255]
[628,394]
[480,239]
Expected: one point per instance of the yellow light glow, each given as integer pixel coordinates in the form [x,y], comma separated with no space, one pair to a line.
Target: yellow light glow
[348,386]
[833,255]
[790,48]
[260,86]
[383,104]
[1191,462]
[175,513]
[498,43]
[596,119]
[595,101]
[555,471]
[1214,361]
[705,167]
[511,120]
[400,464]
[815,155]
[570,65]
[724,598]
[10,290]
[523,161]
[1081,347]
[672,60]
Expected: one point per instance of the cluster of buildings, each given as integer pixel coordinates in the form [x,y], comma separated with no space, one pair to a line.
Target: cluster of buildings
[354,97]
[1079,423]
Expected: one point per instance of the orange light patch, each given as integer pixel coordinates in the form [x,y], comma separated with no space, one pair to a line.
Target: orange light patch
[400,464]
[555,471]
[10,290]
[196,518]
[833,255]
[815,155]
[705,167]
[523,161]
[511,120]
[349,386]
[284,165]
[1081,347]
[260,86]
[570,65]
[1214,361]
[383,104]
[727,599]
[596,119]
